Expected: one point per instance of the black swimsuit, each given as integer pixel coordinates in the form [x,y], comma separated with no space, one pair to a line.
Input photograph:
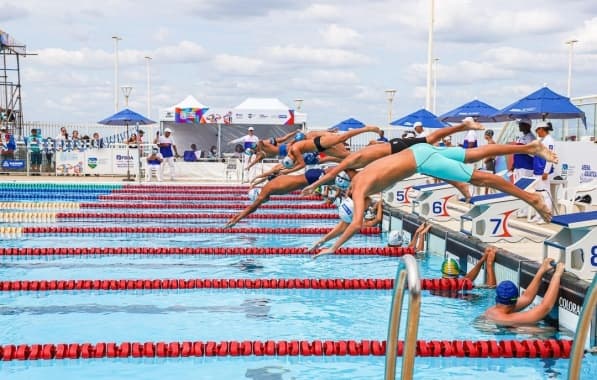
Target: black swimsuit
[317,142]
[398,145]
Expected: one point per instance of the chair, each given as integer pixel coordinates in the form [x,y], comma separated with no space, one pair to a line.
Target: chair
[569,199]
[232,168]
[189,156]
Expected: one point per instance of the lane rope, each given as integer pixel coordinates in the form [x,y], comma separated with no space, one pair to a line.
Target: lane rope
[128,205]
[228,251]
[529,348]
[154,197]
[438,284]
[51,230]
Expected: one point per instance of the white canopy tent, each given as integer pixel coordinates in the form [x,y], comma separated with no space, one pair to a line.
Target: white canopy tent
[167,114]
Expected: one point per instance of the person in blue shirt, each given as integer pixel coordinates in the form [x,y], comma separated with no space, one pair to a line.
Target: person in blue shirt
[382,138]
[34,143]
[7,144]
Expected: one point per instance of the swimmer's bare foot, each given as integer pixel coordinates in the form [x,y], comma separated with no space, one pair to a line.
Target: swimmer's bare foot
[308,190]
[538,149]
[372,128]
[538,204]
[323,252]
[464,189]
[470,124]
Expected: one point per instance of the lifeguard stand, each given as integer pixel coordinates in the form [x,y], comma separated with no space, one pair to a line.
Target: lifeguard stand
[576,243]
[11,107]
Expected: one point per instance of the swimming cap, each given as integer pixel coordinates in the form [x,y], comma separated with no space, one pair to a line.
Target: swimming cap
[310,158]
[450,268]
[395,239]
[299,136]
[506,293]
[254,193]
[346,210]
[369,214]
[287,162]
[343,180]
[249,151]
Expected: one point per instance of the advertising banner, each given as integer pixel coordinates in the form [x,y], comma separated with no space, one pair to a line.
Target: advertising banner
[98,161]
[124,160]
[69,163]
[256,117]
[189,115]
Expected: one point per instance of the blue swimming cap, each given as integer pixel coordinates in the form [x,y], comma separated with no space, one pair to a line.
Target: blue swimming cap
[506,293]
[299,136]
[287,162]
[254,193]
[346,210]
[343,180]
[311,158]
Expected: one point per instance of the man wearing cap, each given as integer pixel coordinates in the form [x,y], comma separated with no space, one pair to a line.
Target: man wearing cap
[523,163]
[168,151]
[7,144]
[419,131]
[542,169]
[508,303]
[249,141]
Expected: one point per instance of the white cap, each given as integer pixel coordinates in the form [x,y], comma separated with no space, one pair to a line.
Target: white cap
[167,130]
[417,124]
[346,210]
[254,193]
[395,238]
[251,129]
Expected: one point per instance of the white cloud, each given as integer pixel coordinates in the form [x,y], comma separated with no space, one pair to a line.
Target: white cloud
[316,56]
[320,11]
[234,64]
[12,12]
[161,35]
[338,36]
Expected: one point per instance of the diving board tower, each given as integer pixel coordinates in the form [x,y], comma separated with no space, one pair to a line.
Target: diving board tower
[11,106]
[576,243]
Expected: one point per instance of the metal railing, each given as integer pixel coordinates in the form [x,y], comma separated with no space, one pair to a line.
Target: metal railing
[407,276]
[582,330]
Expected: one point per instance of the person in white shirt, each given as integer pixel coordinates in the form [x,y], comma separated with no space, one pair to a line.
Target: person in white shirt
[542,169]
[154,162]
[168,151]
[249,141]
[419,131]
[523,163]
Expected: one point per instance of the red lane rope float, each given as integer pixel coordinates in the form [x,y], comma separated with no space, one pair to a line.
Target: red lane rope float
[177,190]
[152,215]
[142,197]
[79,251]
[184,187]
[204,206]
[550,348]
[188,230]
[224,283]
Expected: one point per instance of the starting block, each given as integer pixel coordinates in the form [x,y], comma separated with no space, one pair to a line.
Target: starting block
[402,192]
[576,243]
[433,200]
[489,217]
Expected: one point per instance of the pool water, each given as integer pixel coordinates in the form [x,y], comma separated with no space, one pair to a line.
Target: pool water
[236,314]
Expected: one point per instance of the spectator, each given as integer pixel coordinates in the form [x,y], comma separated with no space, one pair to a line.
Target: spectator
[132,141]
[192,155]
[63,135]
[75,136]
[213,153]
[470,140]
[489,162]
[49,149]
[7,144]
[168,151]
[249,140]
[96,141]
[382,137]
[418,129]
[140,134]
[154,162]
[508,307]
[239,151]
[34,142]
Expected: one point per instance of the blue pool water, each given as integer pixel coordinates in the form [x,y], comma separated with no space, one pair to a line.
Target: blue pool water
[235,314]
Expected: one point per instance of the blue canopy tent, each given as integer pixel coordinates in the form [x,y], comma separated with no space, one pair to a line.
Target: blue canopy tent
[428,119]
[126,117]
[476,109]
[347,124]
[541,104]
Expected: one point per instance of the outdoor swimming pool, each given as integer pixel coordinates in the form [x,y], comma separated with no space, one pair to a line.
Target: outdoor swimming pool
[235,314]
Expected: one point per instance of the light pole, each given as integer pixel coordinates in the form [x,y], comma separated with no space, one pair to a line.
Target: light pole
[116,39]
[435,64]
[570,44]
[430,54]
[147,68]
[297,104]
[390,96]
[126,91]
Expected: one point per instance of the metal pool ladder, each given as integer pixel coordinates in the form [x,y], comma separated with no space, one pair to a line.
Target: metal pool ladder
[409,275]
[582,330]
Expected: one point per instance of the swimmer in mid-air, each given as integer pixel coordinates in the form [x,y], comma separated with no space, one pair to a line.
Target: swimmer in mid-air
[275,146]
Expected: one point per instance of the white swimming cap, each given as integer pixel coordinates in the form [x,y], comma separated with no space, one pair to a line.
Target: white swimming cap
[346,210]
[167,130]
[254,193]
[249,151]
[369,214]
[287,162]
[395,238]
[343,180]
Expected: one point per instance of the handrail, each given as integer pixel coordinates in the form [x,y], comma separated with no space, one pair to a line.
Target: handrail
[409,276]
[582,329]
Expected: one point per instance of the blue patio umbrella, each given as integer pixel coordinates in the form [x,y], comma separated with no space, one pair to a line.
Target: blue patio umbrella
[347,124]
[541,104]
[476,109]
[428,119]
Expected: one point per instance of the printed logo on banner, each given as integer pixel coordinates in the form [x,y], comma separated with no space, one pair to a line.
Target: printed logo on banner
[92,162]
[13,164]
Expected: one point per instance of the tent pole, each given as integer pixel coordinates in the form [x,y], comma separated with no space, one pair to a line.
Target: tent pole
[219,140]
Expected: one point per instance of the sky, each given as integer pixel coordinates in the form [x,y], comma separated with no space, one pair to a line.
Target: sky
[338,56]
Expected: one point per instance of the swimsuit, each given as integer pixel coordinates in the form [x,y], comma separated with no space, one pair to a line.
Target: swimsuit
[398,145]
[273,141]
[312,175]
[283,150]
[445,163]
[317,142]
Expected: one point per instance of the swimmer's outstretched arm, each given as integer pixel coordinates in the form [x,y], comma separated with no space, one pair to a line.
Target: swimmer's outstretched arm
[353,161]
[273,170]
[336,231]
[531,292]
[249,210]
[286,137]
[489,259]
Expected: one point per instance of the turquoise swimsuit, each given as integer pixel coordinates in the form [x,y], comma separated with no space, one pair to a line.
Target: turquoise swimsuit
[444,163]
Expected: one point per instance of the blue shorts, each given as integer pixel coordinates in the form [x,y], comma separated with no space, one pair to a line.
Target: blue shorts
[312,175]
[283,150]
[444,163]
